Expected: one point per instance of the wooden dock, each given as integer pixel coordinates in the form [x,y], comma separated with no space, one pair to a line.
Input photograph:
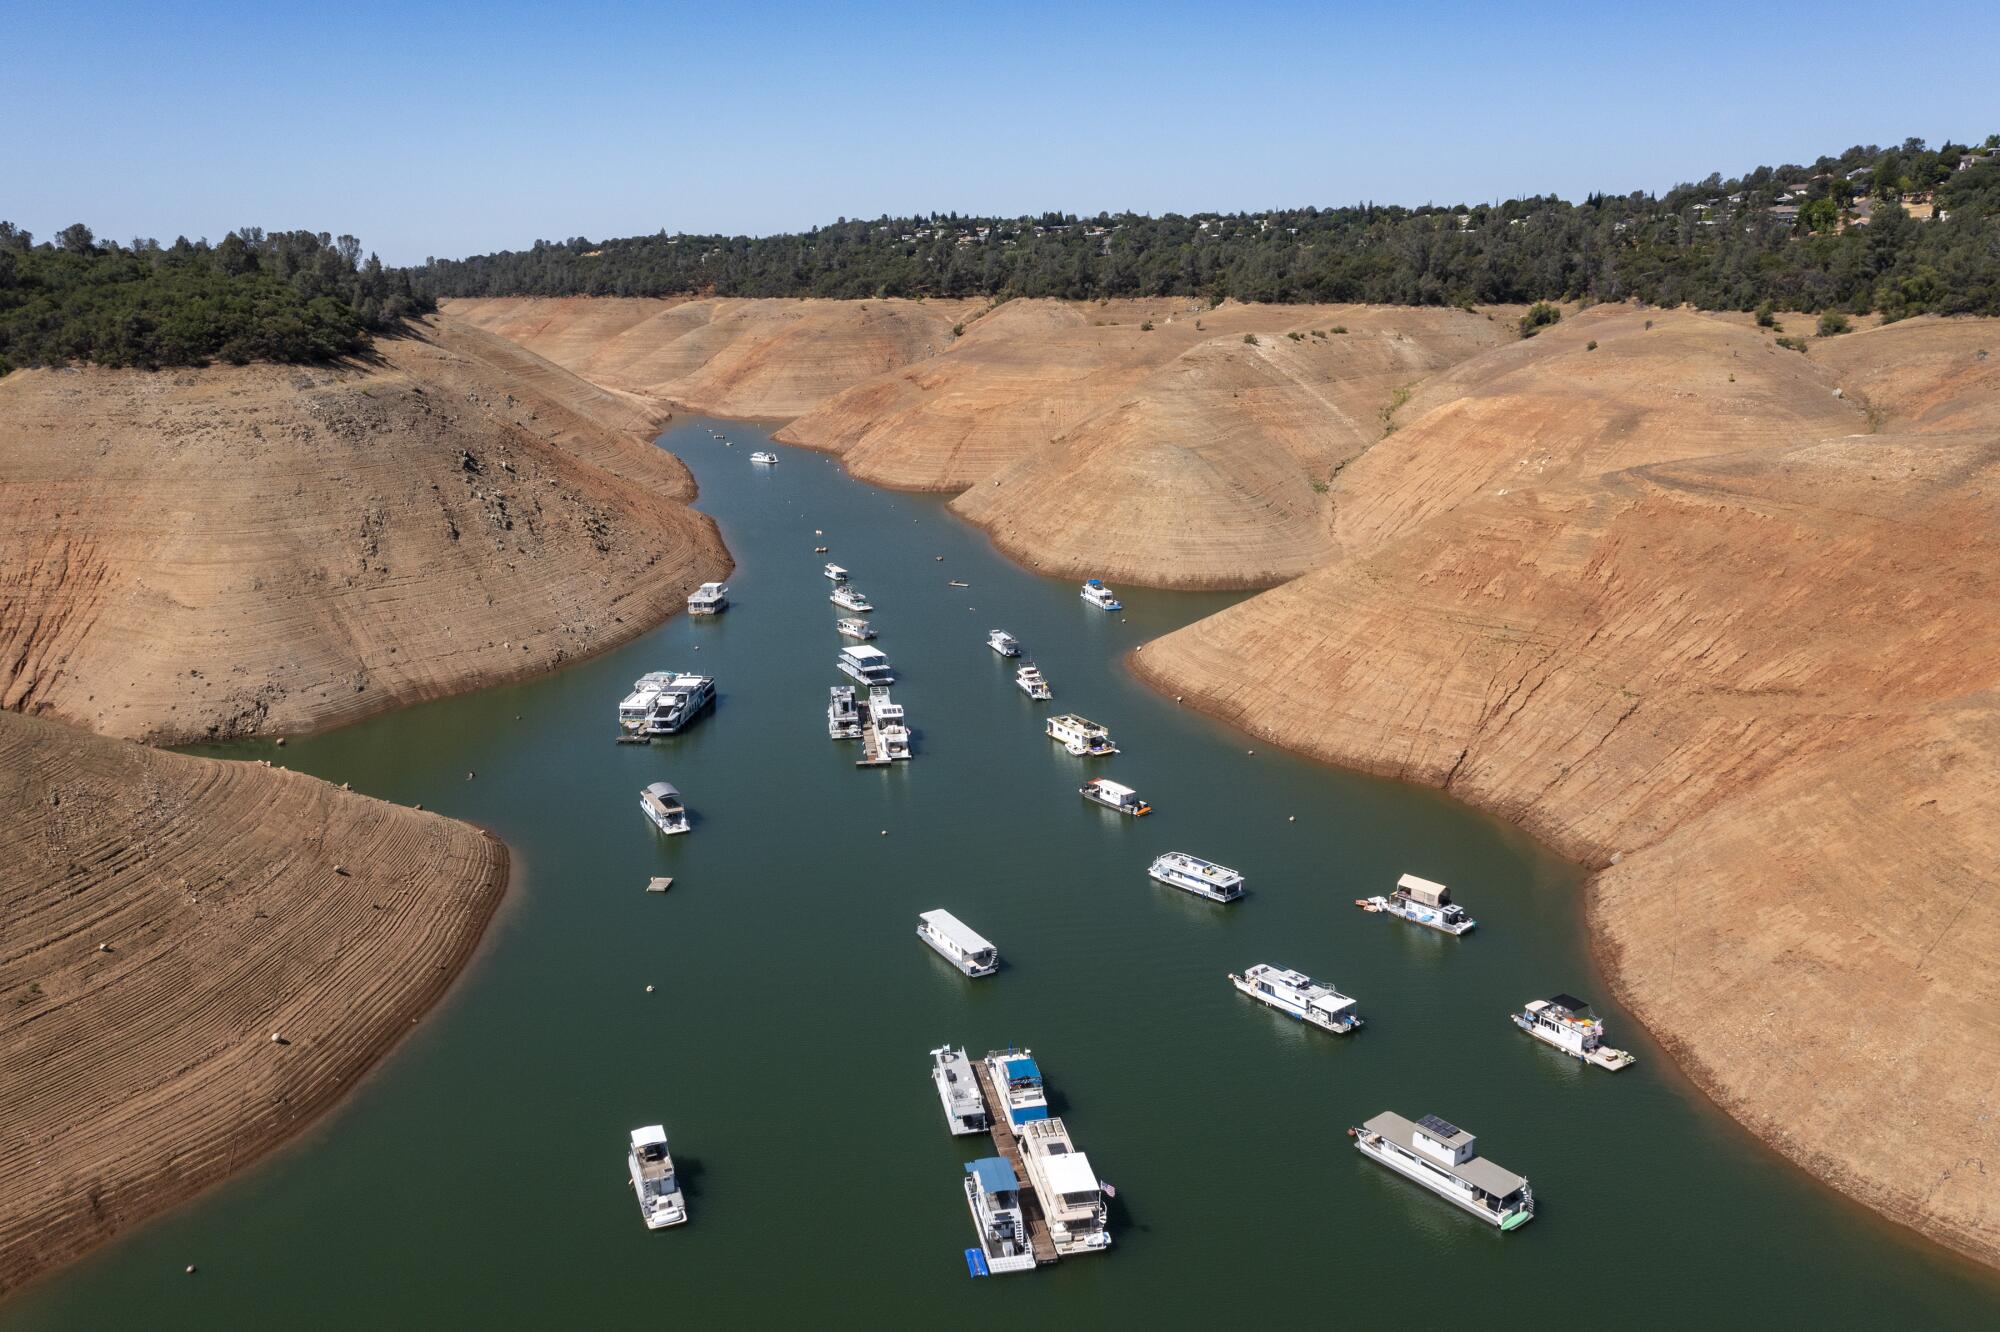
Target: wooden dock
[1006,1145]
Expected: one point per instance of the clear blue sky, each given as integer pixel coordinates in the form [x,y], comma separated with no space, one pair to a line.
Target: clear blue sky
[451,130]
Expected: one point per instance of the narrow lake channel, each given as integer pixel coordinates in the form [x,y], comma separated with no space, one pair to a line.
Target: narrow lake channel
[479,1176]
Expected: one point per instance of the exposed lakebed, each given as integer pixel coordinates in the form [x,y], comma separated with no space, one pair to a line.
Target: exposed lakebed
[479,1176]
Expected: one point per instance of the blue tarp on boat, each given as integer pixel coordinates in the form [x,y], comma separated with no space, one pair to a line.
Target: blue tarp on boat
[1023,1070]
[1023,1114]
[994,1174]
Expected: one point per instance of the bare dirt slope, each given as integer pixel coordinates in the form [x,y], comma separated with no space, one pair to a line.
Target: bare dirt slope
[728,357]
[197,553]
[1764,680]
[160,918]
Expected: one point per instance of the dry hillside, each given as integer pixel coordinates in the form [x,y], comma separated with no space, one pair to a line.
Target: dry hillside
[1764,680]
[205,552]
[160,918]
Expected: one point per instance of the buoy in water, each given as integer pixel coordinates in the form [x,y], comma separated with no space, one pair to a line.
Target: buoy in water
[649,989]
[1293,819]
[469,774]
[190,1269]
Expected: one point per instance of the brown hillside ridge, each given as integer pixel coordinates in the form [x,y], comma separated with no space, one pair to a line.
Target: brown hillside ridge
[213,552]
[160,919]
[1765,683]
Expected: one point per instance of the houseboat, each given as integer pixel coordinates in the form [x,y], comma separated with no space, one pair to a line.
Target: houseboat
[653,1179]
[662,804]
[1443,1158]
[767,459]
[958,943]
[1422,902]
[1003,643]
[1114,795]
[1030,682]
[1017,1082]
[848,598]
[958,1089]
[866,665]
[994,1194]
[1567,1023]
[637,707]
[1100,596]
[1300,995]
[680,700]
[1203,878]
[855,628]
[843,718]
[709,599]
[835,573]
[885,737]
[1072,1198]
[1080,736]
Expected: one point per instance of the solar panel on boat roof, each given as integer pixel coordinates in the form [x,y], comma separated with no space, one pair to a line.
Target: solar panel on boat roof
[1440,1127]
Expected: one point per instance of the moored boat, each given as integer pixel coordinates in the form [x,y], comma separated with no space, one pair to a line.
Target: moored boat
[663,806]
[835,572]
[1114,795]
[958,1088]
[1080,736]
[866,665]
[1017,1082]
[993,1193]
[1422,902]
[654,1180]
[850,598]
[1567,1023]
[708,599]
[1444,1159]
[1100,596]
[856,628]
[843,716]
[767,459]
[1003,643]
[1300,995]
[1063,1178]
[681,699]
[1203,878]
[958,943]
[885,735]
[1030,682]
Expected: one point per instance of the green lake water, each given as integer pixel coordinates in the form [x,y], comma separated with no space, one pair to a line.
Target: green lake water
[478,1177]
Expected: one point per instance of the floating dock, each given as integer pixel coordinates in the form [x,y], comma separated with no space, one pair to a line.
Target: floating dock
[997,1124]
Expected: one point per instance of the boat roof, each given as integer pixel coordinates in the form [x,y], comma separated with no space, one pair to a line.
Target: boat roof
[1069,1172]
[994,1174]
[1332,1003]
[1478,1171]
[1023,1068]
[956,930]
[1074,720]
[1093,582]
[710,589]
[1413,881]
[1442,1129]
[1571,1002]
[647,1136]
[663,791]
[1109,787]
[863,653]
[1022,1114]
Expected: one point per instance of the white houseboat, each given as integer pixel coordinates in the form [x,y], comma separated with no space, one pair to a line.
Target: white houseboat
[1017,1082]
[1114,795]
[958,1088]
[1072,1198]
[662,804]
[1567,1023]
[855,628]
[958,943]
[885,737]
[866,665]
[1443,1158]
[637,707]
[680,700]
[849,598]
[1003,643]
[1300,995]
[1080,735]
[709,599]
[1422,902]
[767,459]
[843,717]
[1203,878]
[653,1179]
[994,1194]
[835,572]
[1100,596]
[1030,682]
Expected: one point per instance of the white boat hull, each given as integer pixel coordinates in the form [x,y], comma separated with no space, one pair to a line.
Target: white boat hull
[1419,1176]
[971,969]
[995,1263]
[669,1211]
[1195,886]
[1601,1055]
[1343,1027]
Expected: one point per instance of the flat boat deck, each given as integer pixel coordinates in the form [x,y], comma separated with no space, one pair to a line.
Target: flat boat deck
[1004,1143]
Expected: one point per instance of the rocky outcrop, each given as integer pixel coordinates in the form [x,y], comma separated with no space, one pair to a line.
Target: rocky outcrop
[196,957]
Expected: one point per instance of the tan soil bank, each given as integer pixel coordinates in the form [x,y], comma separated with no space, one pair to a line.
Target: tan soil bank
[267,549]
[1764,680]
[138,1074]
